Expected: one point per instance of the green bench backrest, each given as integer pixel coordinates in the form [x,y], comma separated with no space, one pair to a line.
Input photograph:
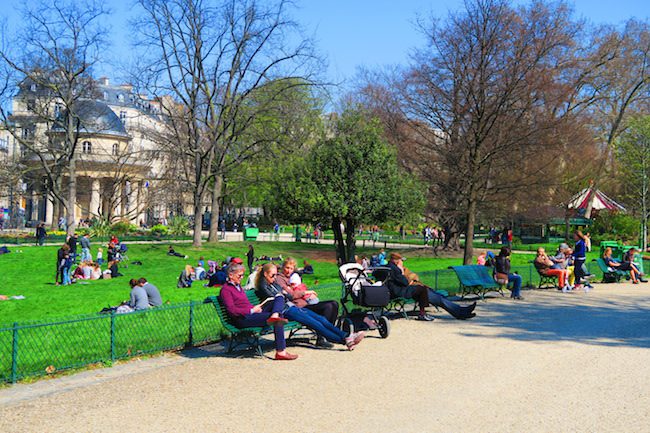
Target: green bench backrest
[474,275]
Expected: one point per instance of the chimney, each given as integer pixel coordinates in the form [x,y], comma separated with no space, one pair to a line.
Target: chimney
[104,81]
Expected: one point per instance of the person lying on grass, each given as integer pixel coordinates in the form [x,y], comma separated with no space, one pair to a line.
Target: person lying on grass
[266,287]
[245,315]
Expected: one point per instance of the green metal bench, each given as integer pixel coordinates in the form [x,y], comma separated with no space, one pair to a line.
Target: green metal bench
[248,337]
[475,279]
[610,274]
[545,281]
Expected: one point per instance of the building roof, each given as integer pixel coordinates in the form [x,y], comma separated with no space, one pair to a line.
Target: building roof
[96,118]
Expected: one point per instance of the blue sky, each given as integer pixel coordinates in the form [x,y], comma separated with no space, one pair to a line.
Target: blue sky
[353,33]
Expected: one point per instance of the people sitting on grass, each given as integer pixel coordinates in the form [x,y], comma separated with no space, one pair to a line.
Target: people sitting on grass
[185,278]
[403,287]
[622,266]
[504,276]
[300,295]
[111,271]
[544,267]
[266,287]
[172,252]
[138,299]
[245,315]
[153,294]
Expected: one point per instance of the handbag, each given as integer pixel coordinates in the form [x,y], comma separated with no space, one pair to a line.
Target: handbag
[501,278]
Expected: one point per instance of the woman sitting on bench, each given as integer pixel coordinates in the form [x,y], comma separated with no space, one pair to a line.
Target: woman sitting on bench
[625,266]
[544,267]
[245,315]
[267,288]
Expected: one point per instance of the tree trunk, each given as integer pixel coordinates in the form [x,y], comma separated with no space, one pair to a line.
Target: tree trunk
[341,253]
[213,235]
[469,233]
[198,222]
[72,195]
[351,240]
[56,213]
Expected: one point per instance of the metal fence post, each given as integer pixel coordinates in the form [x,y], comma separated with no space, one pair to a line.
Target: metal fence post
[14,354]
[436,285]
[191,336]
[530,275]
[112,336]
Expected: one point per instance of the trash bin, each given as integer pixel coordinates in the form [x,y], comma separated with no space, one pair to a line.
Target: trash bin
[251,233]
[614,245]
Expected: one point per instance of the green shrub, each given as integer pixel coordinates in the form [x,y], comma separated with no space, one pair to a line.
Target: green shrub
[159,230]
[615,226]
[179,225]
[100,228]
[123,227]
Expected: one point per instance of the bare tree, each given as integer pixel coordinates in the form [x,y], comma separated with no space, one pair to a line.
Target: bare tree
[620,88]
[209,58]
[487,101]
[59,43]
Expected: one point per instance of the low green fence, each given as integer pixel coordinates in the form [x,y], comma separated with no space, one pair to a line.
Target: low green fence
[35,349]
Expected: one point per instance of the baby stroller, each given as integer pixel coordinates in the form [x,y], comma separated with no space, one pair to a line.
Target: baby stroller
[121,255]
[371,296]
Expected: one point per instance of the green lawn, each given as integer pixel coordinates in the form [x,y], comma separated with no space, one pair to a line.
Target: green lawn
[29,271]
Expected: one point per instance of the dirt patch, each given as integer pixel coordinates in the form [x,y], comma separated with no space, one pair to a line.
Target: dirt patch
[316,256]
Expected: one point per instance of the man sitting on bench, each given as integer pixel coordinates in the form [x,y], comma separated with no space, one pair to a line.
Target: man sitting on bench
[400,286]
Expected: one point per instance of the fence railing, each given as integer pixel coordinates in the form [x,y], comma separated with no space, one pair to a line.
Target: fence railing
[37,348]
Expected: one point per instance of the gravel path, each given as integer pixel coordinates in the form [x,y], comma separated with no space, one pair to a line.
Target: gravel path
[552,363]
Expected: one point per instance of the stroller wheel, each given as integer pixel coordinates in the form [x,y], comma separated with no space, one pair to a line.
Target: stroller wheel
[347,326]
[384,327]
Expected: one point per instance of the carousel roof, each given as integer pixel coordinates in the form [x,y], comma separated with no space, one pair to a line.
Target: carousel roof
[599,199]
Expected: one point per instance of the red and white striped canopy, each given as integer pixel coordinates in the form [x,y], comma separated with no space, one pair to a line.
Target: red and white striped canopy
[600,201]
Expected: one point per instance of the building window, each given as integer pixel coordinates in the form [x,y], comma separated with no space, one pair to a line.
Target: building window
[57,110]
[123,117]
[4,144]
[32,87]
[116,149]
[87,147]
[120,97]
[31,105]
[105,96]
[28,132]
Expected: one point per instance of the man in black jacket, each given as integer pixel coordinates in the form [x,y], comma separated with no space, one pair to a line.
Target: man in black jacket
[400,286]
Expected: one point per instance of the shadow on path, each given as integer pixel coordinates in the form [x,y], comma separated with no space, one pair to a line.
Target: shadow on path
[573,317]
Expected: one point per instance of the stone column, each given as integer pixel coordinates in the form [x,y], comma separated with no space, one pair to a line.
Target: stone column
[133,201]
[33,215]
[49,211]
[95,202]
[118,200]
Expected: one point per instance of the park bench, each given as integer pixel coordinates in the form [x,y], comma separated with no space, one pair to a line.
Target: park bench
[248,337]
[545,281]
[610,275]
[475,279]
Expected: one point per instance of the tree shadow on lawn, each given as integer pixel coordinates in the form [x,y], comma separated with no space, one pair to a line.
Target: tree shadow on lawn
[599,322]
